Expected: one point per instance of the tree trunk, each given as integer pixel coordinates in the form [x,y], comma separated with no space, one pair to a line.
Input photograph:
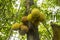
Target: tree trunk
[56,31]
[33,34]
[33,31]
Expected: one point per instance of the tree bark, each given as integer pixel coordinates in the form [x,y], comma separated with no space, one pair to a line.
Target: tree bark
[56,31]
[33,34]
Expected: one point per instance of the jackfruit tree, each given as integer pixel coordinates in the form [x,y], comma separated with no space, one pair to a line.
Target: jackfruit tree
[29,20]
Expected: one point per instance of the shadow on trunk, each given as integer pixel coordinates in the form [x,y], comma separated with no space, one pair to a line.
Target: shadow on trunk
[56,31]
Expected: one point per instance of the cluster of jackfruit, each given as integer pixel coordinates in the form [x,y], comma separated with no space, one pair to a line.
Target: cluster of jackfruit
[21,27]
[36,16]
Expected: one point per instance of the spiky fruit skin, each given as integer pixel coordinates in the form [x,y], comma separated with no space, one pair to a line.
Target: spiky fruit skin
[35,11]
[42,17]
[24,18]
[29,17]
[24,28]
[36,16]
[15,26]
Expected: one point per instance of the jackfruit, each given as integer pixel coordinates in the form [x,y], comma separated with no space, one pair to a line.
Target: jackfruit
[34,16]
[24,18]
[42,17]
[29,17]
[24,28]
[15,26]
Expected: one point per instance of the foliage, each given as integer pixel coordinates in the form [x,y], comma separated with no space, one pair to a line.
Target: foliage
[10,15]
